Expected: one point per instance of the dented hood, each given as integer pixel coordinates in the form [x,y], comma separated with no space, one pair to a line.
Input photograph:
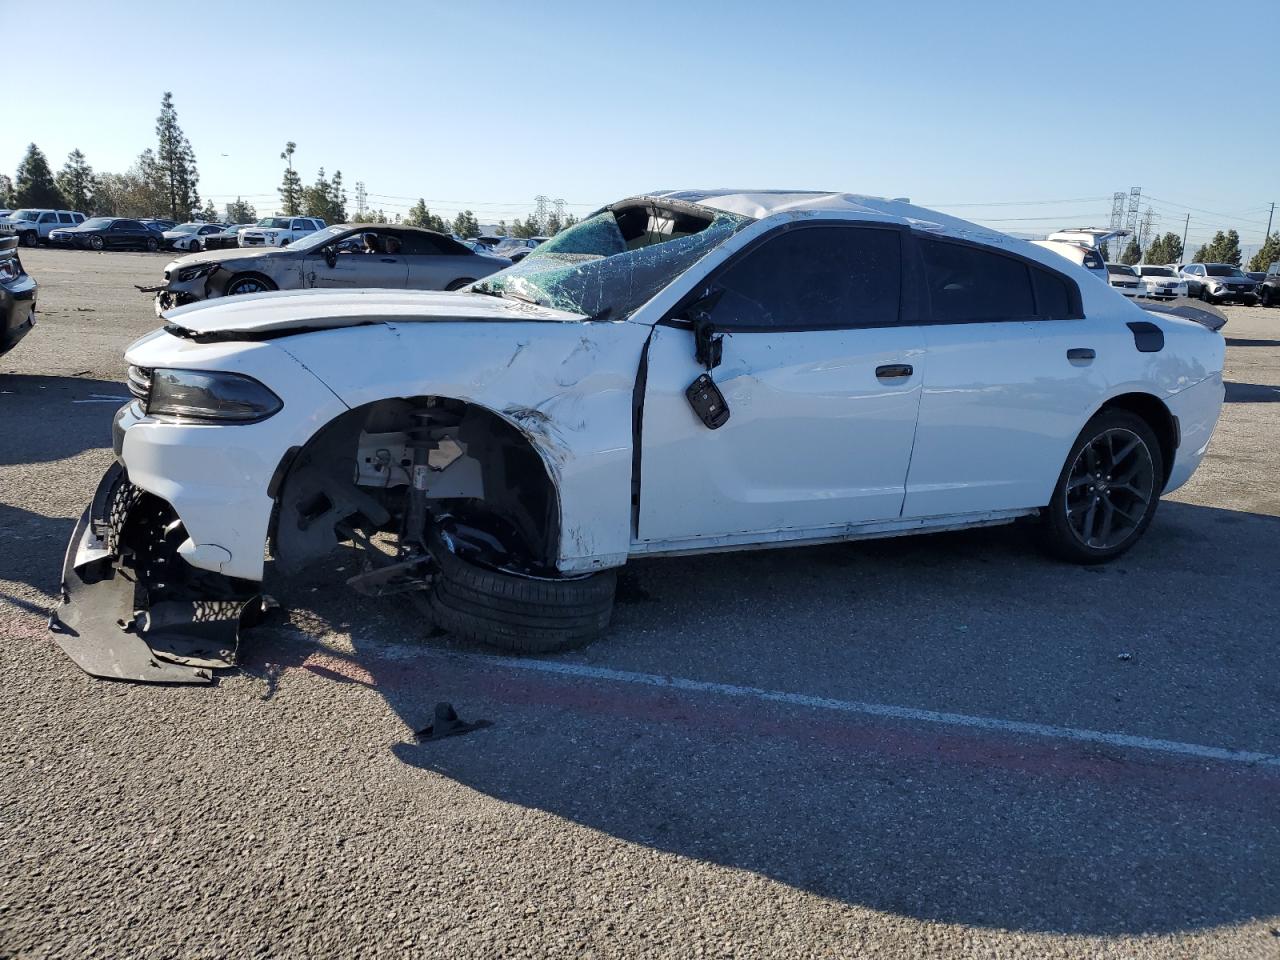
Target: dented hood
[220,256]
[281,313]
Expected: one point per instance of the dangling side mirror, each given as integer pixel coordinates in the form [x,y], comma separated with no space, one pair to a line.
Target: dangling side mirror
[331,256]
[708,346]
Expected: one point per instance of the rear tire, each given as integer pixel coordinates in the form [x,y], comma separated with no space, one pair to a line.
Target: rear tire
[152,244]
[1108,490]
[517,613]
[97,243]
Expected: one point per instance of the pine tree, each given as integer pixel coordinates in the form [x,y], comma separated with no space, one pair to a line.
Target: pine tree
[1268,254]
[34,185]
[465,224]
[241,212]
[176,162]
[337,200]
[1132,253]
[210,213]
[291,186]
[1166,249]
[502,228]
[76,181]
[1223,248]
[6,192]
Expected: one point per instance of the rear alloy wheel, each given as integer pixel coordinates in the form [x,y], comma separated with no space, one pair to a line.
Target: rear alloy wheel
[30,238]
[152,245]
[96,242]
[1108,491]
[247,284]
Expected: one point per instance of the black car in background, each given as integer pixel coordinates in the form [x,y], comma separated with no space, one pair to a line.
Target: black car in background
[159,226]
[17,294]
[104,233]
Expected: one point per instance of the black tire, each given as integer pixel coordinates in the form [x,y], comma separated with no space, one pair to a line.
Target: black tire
[246,280]
[30,238]
[1264,298]
[459,284]
[96,242]
[152,244]
[1077,490]
[1206,296]
[516,613]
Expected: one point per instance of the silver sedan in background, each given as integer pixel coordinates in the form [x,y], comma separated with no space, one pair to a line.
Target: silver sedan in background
[339,257]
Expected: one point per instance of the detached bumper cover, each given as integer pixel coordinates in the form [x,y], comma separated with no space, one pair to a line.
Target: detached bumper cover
[131,608]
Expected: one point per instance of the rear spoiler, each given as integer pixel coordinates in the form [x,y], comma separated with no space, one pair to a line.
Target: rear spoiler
[1201,313]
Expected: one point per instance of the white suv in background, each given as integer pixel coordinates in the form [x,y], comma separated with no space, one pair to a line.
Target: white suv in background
[1161,282]
[34,225]
[1078,253]
[279,231]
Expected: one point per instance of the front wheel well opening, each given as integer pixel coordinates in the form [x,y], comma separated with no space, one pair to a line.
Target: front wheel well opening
[485,483]
[1158,417]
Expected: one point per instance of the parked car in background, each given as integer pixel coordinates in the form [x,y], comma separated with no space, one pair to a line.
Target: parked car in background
[279,231]
[1124,279]
[17,293]
[1080,254]
[489,240]
[33,225]
[190,236]
[510,450]
[1269,288]
[516,249]
[159,226]
[1161,282]
[339,257]
[228,236]
[1257,276]
[1219,283]
[108,233]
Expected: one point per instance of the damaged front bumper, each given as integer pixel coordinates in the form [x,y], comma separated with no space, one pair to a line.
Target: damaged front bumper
[132,608]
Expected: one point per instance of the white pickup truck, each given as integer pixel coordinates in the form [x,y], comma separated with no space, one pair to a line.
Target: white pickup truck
[279,231]
[34,225]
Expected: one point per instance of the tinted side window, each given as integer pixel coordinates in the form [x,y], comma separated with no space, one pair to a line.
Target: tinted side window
[48,218]
[1053,299]
[812,278]
[65,218]
[129,225]
[971,285]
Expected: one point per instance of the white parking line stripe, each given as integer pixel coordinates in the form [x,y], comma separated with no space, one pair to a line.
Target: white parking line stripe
[1023,727]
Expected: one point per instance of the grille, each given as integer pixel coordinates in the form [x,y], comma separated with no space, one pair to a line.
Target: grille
[140,385]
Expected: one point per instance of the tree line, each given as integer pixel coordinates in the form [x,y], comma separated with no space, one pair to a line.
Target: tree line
[1223,248]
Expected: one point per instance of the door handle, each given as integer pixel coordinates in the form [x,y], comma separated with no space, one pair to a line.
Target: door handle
[894,371]
[1081,353]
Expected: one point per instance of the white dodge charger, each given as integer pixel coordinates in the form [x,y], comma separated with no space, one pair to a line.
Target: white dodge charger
[682,372]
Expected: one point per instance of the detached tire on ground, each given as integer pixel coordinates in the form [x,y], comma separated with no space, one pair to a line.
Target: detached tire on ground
[518,613]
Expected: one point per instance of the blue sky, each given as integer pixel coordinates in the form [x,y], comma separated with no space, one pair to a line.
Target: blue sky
[1000,107]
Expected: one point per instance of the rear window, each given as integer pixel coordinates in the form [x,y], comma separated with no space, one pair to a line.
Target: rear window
[1053,295]
[1155,271]
[971,285]
[1092,261]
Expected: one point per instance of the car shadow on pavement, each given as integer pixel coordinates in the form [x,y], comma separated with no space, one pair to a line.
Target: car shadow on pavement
[1251,392]
[931,821]
[81,407]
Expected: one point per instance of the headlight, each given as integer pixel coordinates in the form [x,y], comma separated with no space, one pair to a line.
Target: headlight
[210,397]
[195,273]
[9,270]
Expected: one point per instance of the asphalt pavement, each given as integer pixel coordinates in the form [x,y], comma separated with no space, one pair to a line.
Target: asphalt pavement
[941,746]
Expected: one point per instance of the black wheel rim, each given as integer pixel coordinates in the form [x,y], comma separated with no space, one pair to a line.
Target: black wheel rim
[1110,489]
[247,286]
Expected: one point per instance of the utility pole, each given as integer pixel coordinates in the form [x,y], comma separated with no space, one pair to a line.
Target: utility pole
[540,212]
[361,198]
[1185,223]
[1267,235]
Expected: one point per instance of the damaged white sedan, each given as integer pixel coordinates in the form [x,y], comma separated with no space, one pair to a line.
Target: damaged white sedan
[679,373]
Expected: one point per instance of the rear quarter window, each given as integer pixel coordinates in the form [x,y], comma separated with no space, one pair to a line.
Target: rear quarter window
[968,284]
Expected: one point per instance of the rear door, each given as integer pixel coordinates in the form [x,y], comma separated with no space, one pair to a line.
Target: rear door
[1014,370]
[436,262]
[821,374]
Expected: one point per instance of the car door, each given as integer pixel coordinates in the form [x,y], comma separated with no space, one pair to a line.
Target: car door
[358,269]
[436,262]
[1013,372]
[821,376]
[118,235]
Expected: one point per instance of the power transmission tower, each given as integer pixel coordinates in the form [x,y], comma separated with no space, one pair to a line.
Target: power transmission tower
[540,212]
[1147,229]
[559,203]
[1135,201]
[361,197]
[1117,210]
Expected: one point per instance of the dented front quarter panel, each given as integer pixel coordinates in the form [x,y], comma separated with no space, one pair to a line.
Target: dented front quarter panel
[567,386]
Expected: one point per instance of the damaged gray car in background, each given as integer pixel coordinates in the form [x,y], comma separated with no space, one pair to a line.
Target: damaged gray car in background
[346,256]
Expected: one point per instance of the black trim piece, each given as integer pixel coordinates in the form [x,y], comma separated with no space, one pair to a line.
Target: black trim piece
[282,469]
[637,431]
[1147,337]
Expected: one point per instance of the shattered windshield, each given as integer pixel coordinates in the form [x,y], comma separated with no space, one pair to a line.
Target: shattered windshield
[612,263]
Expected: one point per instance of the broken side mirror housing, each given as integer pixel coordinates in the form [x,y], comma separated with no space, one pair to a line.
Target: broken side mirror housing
[331,256]
[708,345]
